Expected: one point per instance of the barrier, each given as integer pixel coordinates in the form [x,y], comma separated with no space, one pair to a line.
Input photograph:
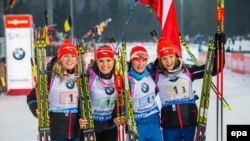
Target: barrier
[237,62]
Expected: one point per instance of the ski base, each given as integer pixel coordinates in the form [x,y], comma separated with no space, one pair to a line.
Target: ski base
[89,135]
[44,136]
[200,132]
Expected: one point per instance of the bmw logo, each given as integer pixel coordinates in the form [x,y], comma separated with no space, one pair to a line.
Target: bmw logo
[70,84]
[173,78]
[19,54]
[109,90]
[145,87]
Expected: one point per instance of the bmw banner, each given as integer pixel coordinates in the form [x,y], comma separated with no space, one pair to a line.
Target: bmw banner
[19,45]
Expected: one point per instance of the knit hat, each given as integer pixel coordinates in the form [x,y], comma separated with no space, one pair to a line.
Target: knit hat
[138,52]
[164,47]
[66,48]
[104,51]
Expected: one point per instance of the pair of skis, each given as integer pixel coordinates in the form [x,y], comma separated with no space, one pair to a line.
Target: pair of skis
[205,95]
[84,94]
[39,71]
[219,59]
[124,100]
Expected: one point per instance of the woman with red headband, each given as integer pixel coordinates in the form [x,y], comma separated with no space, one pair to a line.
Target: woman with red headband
[63,75]
[103,94]
[174,81]
[143,93]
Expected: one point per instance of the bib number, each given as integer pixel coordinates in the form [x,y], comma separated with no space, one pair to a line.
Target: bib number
[144,101]
[174,91]
[68,98]
[106,102]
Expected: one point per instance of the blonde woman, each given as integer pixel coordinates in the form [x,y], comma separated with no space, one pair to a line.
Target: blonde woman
[63,95]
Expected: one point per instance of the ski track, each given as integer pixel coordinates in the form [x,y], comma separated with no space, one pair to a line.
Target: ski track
[17,122]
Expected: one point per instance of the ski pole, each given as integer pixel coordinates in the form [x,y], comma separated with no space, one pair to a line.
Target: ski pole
[220,58]
[225,104]
[126,24]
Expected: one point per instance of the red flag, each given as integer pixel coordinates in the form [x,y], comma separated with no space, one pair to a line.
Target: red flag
[166,14]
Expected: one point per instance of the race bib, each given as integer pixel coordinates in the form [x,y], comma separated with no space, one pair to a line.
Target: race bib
[105,102]
[144,101]
[177,90]
[68,98]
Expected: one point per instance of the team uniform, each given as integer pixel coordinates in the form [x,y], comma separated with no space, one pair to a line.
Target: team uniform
[63,107]
[103,96]
[174,81]
[63,95]
[143,94]
[179,110]
[146,111]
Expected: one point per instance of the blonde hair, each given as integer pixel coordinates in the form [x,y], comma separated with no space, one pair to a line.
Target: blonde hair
[59,70]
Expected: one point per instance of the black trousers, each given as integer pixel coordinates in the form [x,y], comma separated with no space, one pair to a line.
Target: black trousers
[107,135]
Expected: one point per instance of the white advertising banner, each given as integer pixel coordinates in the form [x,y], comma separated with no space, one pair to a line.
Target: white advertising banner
[19,43]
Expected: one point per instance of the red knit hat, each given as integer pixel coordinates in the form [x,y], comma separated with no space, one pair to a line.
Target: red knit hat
[138,52]
[66,48]
[104,51]
[164,47]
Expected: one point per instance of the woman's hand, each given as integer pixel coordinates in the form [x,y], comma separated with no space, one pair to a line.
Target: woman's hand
[119,120]
[37,112]
[82,123]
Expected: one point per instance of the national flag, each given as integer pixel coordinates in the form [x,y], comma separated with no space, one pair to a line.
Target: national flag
[102,26]
[67,24]
[166,14]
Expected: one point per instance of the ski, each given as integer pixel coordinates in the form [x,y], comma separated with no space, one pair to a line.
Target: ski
[42,86]
[205,95]
[132,133]
[84,94]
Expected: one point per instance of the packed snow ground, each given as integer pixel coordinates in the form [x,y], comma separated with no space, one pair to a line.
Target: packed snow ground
[17,122]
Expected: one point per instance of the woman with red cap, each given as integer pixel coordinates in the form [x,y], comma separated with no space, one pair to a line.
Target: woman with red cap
[143,93]
[103,94]
[174,81]
[64,113]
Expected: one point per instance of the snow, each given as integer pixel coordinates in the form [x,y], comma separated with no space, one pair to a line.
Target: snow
[17,122]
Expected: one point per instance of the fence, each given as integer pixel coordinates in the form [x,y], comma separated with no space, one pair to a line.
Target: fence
[237,62]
